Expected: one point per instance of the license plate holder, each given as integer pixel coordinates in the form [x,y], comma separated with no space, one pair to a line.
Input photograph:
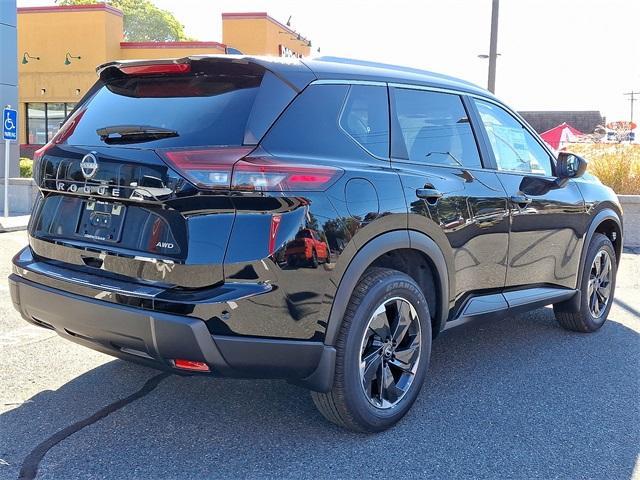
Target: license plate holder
[102,221]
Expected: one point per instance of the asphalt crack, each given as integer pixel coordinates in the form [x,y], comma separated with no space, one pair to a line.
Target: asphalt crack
[31,463]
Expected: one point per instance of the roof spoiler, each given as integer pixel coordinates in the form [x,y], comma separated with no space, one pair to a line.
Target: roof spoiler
[291,71]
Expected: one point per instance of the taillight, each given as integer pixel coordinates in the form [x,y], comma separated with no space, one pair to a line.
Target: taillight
[271,175]
[156,68]
[227,167]
[38,154]
[207,167]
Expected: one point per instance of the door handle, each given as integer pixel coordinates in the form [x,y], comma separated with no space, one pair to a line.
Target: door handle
[521,200]
[429,194]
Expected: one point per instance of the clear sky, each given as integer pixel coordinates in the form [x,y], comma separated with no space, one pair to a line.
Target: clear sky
[555,54]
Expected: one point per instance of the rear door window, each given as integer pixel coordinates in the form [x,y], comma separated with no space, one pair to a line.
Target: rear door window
[310,126]
[365,118]
[433,128]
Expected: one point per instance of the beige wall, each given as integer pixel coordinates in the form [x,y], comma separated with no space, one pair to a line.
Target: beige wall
[94,34]
[259,34]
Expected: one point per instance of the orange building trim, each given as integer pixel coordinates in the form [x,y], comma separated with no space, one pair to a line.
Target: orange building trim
[173,45]
[72,8]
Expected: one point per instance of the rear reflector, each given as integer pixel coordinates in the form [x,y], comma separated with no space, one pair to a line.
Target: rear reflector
[227,167]
[156,68]
[191,365]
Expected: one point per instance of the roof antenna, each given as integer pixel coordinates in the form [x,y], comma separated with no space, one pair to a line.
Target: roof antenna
[289,21]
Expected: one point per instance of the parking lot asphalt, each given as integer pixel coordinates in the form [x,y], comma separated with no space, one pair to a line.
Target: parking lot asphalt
[511,398]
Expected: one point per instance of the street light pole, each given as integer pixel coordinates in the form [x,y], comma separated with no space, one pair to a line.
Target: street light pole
[493,47]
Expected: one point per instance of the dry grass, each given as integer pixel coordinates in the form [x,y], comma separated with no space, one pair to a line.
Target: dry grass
[616,165]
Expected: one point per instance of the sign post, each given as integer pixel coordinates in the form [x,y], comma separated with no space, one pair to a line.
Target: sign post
[9,133]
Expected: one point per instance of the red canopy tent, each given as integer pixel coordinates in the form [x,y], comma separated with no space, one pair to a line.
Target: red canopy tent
[559,136]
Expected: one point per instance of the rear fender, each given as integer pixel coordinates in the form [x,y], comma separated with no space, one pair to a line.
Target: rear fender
[400,239]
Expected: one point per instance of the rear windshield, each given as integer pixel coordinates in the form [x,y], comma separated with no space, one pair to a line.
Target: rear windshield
[189,110]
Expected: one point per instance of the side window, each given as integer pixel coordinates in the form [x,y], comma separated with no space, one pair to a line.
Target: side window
[513,146]
[435,128]
[310,127]
[365,118]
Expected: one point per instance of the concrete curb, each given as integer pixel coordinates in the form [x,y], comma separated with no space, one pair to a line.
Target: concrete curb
[13,224]
[631,219]
[22,195]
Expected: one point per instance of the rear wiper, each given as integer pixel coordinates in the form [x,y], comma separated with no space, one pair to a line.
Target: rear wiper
[133,133]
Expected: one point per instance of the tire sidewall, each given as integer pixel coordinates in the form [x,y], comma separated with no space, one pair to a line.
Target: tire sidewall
[600,243]
[396,285]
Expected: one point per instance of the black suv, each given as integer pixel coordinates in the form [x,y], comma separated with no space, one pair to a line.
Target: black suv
[175,191]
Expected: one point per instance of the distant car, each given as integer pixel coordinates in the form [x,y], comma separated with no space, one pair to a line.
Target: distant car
[307,248]
[173,194]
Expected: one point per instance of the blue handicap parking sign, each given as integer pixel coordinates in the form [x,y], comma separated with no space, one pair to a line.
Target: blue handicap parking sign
[9,124]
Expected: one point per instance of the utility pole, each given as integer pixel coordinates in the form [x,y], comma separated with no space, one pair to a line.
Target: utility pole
[632,98]
[493,47]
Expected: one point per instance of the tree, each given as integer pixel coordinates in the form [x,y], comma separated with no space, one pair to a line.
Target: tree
[143,21]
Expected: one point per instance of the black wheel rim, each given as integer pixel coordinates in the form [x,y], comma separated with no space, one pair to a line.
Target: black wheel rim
[599,288]
[390,353]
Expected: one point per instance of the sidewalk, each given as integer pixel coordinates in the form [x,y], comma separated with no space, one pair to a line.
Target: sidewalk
[11,224]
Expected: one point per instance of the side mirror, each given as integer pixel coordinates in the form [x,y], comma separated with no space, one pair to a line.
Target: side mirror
[570,165]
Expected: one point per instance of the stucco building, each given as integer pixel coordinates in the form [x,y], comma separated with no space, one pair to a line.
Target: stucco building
[59,48]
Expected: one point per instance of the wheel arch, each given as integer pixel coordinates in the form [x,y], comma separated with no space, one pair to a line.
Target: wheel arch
[607,222]
[367,255]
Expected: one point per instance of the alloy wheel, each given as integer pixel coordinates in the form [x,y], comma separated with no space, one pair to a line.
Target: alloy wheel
[599,287]
[390,352]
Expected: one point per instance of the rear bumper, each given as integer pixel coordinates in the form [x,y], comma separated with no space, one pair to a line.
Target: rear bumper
[157,338]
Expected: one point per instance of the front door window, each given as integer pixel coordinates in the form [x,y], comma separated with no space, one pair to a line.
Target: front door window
[514,148]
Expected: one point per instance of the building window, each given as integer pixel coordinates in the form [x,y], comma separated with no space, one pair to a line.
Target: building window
[44,119]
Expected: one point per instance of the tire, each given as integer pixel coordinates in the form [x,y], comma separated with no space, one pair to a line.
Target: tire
[314,259]
[348,404]
[584,319]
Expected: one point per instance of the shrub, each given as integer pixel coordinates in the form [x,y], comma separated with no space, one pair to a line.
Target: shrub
[26,167]
[616,165]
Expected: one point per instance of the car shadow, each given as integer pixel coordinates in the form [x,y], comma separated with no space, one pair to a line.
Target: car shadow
[511,398]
